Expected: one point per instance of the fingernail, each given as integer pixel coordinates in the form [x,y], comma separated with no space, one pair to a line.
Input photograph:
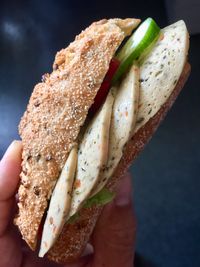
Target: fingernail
[124,194]
[88,250]
[15,145]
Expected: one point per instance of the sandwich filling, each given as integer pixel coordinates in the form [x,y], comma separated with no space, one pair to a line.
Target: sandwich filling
[141,78]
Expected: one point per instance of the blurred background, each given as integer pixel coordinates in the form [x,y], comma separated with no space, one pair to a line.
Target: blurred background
[166,176]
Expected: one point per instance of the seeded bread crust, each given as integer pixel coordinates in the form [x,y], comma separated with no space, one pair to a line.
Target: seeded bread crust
[74,237]
[57,109]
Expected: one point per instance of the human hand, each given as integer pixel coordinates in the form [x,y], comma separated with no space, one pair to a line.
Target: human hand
[112,242]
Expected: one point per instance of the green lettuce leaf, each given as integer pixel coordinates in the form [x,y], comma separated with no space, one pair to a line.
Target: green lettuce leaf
[101,198]
[73,218]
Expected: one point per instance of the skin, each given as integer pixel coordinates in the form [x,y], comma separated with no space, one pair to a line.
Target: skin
[110,246]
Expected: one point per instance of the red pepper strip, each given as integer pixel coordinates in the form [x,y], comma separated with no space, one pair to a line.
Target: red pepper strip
[105,86]
[114,64]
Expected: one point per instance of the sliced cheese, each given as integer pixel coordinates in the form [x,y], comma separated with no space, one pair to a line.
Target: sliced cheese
[159,74]
[161,70]
[92,155]
[59,205]
[123,120]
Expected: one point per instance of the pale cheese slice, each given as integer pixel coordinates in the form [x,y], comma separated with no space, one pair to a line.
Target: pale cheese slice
[92,155]
[60,204]
[161,70]
[123,120]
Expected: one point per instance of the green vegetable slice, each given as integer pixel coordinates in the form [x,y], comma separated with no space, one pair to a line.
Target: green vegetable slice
[137,46]
[73,218]
[101,198]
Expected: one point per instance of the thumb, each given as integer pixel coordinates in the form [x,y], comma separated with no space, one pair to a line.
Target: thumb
[114,235]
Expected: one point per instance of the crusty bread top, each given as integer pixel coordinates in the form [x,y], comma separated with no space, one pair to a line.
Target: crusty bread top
[57,109]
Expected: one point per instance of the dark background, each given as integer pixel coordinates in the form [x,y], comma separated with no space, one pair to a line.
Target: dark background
[166,175]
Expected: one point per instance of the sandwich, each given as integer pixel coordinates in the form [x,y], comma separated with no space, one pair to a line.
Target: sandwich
[87,121]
